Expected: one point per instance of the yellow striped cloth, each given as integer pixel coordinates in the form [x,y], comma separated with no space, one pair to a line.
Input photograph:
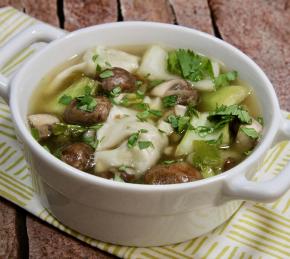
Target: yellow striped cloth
[255,231]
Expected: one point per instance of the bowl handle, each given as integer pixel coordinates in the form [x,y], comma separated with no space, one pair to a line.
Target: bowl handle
[36,33]
[239,187]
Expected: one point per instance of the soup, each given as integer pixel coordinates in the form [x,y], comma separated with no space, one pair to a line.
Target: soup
[147,115]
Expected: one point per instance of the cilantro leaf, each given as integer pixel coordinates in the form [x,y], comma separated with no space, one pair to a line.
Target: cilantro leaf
[250,132]
[230,112]
[178,123]
[189,65]
[132,140]
[116,91]
[169,101]
[106,74]
[225,79]
[65,99]
[94,57]
[145,144]
[86,103]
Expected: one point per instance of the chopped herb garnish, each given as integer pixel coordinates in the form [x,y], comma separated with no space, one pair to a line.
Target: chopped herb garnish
[147,112]
[143,116]
[132,140]
[98,68]
[91,141]
[189,65]
[72,130]
[169,101]
[116,91]
[65,99]
[179,123]
[86,103]
[225,79]
[156,113]
[35,133]
[143,130]
[173,120]
[250,132]
[106,74]
[94,57]
[228,113]
[145,144]
[260,120]
[170,162]
[191,111]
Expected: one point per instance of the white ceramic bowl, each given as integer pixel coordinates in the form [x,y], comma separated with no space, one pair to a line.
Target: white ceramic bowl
[131,214]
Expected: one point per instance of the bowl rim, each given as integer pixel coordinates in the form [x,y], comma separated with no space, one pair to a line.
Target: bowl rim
[70,171]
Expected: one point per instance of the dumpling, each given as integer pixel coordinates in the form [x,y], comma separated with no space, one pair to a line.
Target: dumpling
[113,152]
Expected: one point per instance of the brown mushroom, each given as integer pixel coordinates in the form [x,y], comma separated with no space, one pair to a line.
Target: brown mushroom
[78,155]
[169,174]
[120,78]
[74,115]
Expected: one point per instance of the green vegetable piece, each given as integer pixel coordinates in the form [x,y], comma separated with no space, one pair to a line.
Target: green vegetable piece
[228,95]
[78,88]
[106,74]
[206,156]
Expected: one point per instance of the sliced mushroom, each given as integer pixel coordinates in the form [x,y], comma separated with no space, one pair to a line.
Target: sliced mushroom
[43,123]
[179,87]
[170,174]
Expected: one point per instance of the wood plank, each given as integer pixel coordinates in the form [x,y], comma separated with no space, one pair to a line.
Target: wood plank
[9,245]
[262,32]
[84,13]
[147,10]
[43,10]
[193,14]
[48,242]
[14,3]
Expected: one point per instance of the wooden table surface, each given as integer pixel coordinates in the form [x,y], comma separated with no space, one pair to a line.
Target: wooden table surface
[260,28]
